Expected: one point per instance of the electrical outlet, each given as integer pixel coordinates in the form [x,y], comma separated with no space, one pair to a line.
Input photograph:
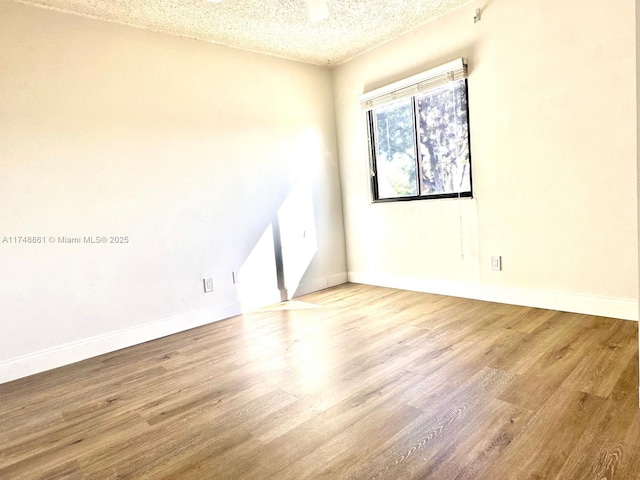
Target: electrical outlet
[235,276]
[208,285]
[496,263]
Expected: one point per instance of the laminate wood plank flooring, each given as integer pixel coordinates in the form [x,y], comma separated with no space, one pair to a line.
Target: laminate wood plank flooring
[352,382]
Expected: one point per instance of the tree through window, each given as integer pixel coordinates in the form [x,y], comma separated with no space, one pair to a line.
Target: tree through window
[419,143]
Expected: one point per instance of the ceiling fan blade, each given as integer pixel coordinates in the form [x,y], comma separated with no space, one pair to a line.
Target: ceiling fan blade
[318,10]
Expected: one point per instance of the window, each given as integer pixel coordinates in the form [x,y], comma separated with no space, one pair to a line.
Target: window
[419,136]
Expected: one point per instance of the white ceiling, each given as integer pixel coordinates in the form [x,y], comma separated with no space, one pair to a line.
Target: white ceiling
[273,27]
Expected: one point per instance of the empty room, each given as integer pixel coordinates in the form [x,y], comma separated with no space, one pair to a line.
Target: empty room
[300,239]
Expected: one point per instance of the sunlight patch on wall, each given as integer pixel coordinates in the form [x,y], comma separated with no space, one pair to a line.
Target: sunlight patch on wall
[298,234]
[257,278]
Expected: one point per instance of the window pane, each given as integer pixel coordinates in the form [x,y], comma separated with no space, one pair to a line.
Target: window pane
[395,150]
[443,135]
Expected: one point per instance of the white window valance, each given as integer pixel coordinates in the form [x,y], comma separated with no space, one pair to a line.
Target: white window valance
[432,78]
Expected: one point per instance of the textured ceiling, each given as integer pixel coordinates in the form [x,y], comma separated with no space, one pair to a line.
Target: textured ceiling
[274,27]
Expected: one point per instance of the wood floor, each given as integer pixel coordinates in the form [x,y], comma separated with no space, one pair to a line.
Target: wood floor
[354,382]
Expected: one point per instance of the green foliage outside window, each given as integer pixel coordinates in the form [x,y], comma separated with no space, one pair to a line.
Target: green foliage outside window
[438,163]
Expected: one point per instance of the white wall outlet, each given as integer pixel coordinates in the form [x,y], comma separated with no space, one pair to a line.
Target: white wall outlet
[235,276]
[496,263]
[208,285]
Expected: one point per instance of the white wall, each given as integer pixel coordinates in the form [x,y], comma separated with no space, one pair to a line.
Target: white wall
[553,141]
[189,149]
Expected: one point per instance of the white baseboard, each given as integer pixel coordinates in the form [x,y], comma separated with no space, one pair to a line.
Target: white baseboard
[66,354]
[626,309]
[43,360]
[321,284]
[59,356]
